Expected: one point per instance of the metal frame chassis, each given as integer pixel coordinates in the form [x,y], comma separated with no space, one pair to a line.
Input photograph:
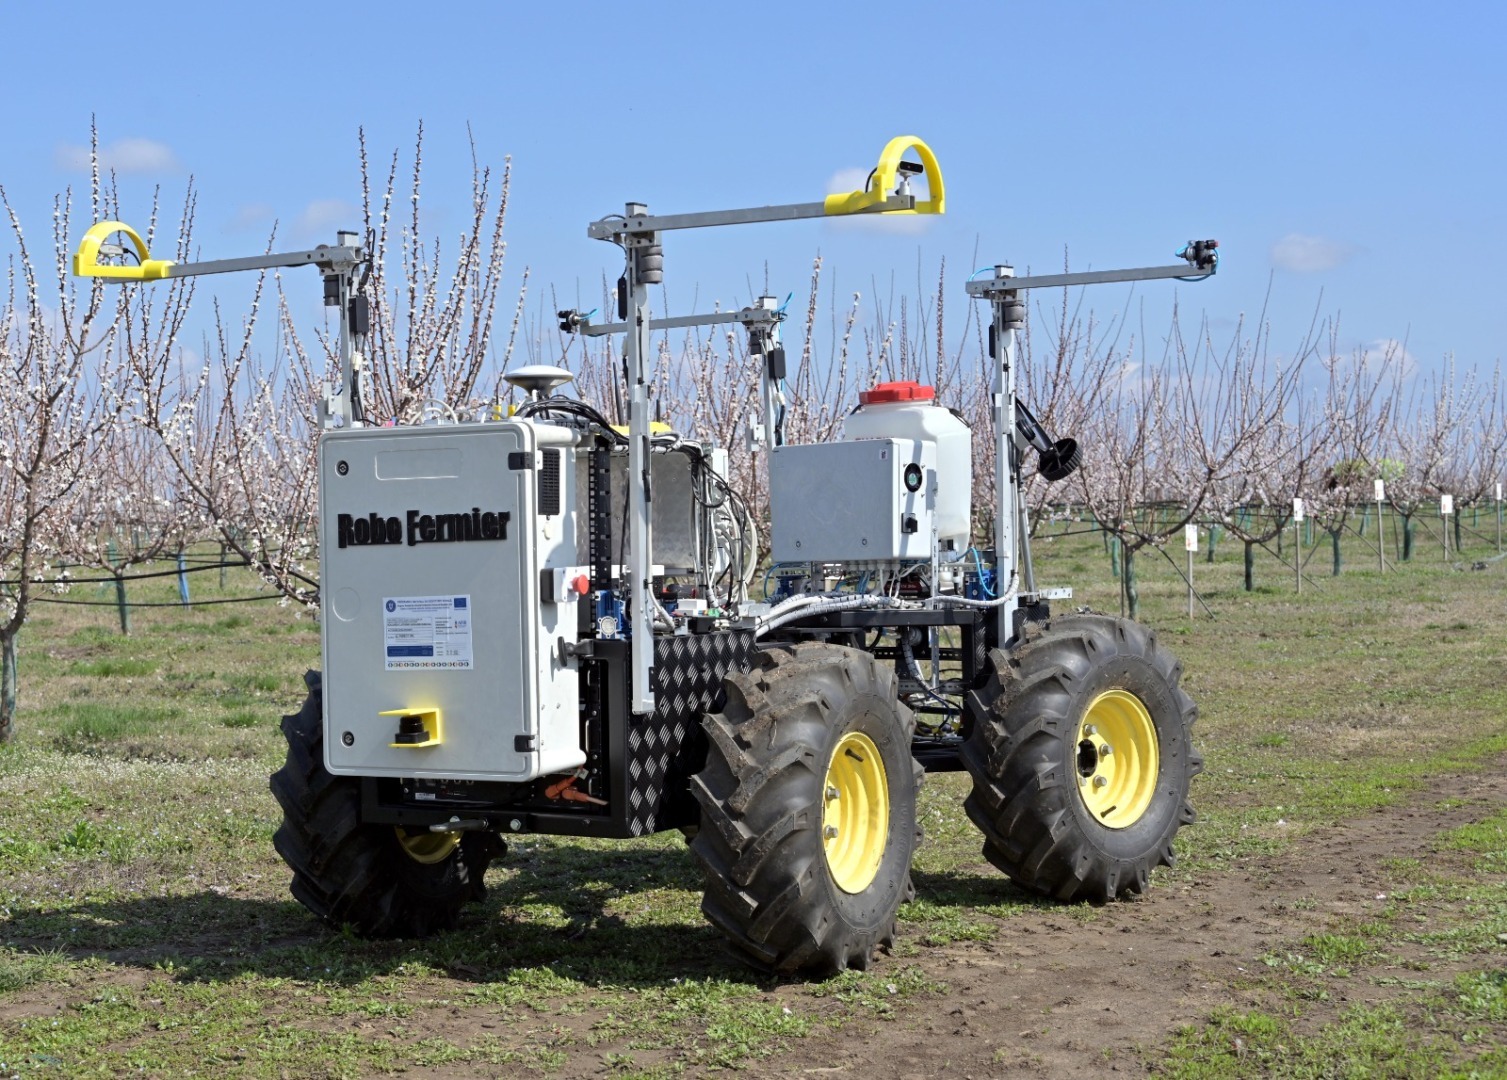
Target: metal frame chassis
[637,232]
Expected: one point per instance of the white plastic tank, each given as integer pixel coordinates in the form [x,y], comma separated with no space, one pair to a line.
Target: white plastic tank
[909,410]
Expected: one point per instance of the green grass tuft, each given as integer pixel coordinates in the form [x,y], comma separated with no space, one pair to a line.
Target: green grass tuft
[113,668]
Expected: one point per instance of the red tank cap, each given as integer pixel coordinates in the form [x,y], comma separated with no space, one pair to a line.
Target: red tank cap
[887,392]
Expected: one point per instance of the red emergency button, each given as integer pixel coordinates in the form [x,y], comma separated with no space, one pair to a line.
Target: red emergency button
[580,584]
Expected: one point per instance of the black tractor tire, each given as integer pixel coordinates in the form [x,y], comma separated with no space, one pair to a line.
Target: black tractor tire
[772,870]
[351,873]
[1061,815]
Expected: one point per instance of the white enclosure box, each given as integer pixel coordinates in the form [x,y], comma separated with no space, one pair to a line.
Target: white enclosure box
[436,543]
[928,422]
[853,501]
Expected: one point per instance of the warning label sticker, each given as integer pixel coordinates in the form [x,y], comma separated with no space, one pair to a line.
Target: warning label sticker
[427,633]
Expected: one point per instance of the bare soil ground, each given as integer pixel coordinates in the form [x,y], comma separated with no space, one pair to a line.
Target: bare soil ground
[1055,997]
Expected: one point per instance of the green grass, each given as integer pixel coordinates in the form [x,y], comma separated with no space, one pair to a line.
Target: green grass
[146,925]
[115,668]
[99,723]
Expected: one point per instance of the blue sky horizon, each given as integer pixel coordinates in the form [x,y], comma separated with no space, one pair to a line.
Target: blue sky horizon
[1342,156]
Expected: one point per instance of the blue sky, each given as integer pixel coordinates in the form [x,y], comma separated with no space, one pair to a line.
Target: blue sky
[1349,155]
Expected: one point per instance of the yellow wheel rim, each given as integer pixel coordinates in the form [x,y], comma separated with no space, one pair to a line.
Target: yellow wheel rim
[855,813]
[1117,759]
[427,847]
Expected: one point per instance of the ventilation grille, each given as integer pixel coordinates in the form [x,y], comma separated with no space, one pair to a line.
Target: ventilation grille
[549,484]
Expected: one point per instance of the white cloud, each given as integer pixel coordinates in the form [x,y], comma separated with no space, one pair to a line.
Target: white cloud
[251,216]
[846,180]
[322,217]
[123,156]
[1309,254]
[1390,355]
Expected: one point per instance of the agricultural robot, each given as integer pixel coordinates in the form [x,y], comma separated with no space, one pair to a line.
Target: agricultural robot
[544,623]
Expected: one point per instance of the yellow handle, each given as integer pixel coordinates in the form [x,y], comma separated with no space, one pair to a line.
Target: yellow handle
[885,173]
[86,259]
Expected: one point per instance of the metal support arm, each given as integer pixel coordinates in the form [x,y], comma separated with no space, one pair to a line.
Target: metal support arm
[574,323]
[338,263]
[1011,536]
[617,226]
[1000,286]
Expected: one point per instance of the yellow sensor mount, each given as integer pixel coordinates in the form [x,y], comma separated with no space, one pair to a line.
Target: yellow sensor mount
[96,243]
[891,178]
[418,729]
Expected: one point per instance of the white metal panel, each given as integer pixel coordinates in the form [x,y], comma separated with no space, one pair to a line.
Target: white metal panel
[512,712]
[848,501]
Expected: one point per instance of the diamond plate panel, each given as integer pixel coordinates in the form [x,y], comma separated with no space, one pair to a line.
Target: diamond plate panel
[665,749]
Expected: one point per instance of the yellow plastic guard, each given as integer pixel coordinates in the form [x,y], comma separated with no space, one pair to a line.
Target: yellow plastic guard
[432,729]
[86,259]
[656,427]
[885,181]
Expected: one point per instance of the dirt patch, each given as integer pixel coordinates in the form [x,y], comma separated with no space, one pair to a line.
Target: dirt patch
[1056,997]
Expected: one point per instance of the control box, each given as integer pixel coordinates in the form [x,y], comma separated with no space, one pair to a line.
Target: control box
[871,499]
[441,619]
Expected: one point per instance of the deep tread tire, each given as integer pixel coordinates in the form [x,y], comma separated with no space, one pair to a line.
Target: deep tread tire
[1021,751]
[768,886]
[351,873]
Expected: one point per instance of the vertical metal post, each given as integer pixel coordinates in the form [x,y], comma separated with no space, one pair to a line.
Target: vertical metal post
[1008,314]
[1190,545]
[1381,540]
[765,339]
[120,603]
[1023,524]
[348,392]
[182,578]
[1190,583]
[639,493]
[1297,552]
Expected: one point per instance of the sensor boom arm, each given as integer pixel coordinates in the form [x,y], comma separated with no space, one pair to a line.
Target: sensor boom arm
[1011,530]
[337,263]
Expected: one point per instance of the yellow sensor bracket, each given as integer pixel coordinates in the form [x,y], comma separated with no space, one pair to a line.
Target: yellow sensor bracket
[418,729]
[86,260]
[892,175]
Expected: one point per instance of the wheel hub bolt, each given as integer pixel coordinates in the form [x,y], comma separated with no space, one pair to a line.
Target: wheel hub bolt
[1090,729]
[1100,781]
[832,792]
[1106,750]
[830,832]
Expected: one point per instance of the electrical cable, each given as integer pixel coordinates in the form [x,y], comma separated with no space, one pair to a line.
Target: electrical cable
[129,578]
[913,669]
[978,565]
[164,603]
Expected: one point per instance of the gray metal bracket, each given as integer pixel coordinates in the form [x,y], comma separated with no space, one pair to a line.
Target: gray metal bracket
[747,316]
[329,259]
[994,287]
[620,226]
